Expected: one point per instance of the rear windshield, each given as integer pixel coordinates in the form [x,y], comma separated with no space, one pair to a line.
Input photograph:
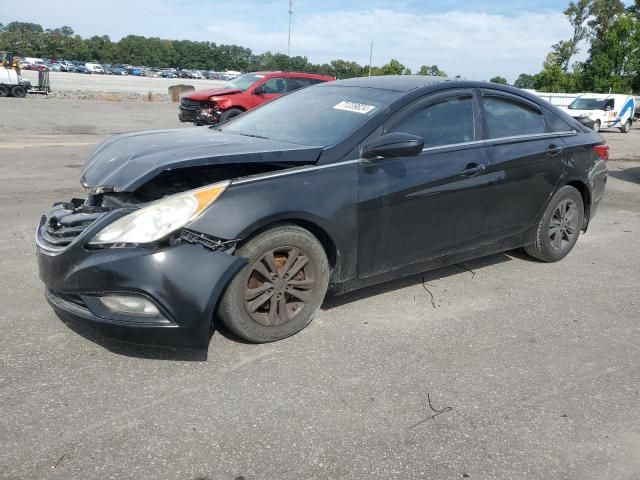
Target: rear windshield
[587,104]
[321,115]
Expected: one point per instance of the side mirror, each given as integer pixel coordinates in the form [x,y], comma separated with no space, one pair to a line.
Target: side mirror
[396,144]
[259,90]
[607,108]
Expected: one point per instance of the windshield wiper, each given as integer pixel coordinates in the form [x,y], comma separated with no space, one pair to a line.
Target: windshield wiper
[250,135]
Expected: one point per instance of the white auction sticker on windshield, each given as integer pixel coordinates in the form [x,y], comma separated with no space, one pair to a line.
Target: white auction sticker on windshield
[354,107]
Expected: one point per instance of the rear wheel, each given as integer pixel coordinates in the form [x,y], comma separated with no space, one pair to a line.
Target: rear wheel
[626,127]
[560,226]
[19,91]
[4,90]
[229,114]
[281,288]
[596,126]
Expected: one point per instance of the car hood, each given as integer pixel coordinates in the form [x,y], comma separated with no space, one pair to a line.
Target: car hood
[213,92]
[125,162]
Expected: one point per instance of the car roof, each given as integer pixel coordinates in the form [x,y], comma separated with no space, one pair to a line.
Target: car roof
[399,83]
[280,73]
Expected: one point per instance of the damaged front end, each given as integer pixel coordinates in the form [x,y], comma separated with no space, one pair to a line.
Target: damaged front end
[126,259]
[162,292]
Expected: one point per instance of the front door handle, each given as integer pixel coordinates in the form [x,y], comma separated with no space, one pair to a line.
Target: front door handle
[473,169]
[554,150]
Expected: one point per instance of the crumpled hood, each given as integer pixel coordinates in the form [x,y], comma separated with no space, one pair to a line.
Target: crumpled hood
[200,95]
[125,162]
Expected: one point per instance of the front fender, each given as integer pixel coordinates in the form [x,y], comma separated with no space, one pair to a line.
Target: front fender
[325,196]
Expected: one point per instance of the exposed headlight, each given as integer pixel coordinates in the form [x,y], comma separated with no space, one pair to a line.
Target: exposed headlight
[160,218]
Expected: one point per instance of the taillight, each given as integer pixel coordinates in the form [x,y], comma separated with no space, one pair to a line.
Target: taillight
[602,151]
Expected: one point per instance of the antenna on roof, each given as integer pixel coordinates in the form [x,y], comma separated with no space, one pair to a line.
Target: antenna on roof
[370,56]
[290,18]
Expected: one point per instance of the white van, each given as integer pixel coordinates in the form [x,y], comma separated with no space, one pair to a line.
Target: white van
[601,111]
[95,68]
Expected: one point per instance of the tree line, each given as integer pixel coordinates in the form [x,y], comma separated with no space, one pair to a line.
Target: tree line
[609,32]
[32,40]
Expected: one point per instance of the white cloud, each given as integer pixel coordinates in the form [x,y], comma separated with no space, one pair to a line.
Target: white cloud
[474,45]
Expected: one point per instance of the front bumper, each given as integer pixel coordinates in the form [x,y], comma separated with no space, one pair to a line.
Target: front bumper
[187,114]
[185,282]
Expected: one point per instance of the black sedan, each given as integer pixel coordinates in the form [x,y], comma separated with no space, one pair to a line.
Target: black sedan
[331,188]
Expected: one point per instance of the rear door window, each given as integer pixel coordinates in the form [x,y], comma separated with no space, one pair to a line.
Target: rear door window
[446,122]
[509,118]
[297,83]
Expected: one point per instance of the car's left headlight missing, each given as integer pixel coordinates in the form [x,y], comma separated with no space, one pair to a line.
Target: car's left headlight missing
[160,218]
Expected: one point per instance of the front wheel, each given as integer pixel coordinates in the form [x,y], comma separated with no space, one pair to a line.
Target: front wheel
[596,126]
[560,226]
[229,114]
[281,288]
[626,127]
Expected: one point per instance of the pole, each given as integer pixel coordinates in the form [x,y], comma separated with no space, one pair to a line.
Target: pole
[370,56]
[290,17]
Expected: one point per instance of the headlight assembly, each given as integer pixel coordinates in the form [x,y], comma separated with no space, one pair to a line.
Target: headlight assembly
[160,218]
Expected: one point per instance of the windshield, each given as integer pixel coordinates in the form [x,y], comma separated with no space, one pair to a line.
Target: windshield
[587,104]
[243,81]
[319,116]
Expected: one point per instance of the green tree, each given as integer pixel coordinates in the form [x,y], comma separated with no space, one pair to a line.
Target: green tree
[614,61]
[431,70]
[394,67]
[500,80]
[577,14]
[525,81]
[345,69]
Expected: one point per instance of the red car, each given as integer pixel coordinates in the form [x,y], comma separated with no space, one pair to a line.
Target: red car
[241,94]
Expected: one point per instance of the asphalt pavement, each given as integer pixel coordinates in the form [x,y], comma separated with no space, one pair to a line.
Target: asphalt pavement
[498,368]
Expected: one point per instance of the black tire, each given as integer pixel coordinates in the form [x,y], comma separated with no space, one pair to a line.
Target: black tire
[626,127]
[596,126]
[246,307]
[560,226]
[4,91]
[19,91]
[229,114]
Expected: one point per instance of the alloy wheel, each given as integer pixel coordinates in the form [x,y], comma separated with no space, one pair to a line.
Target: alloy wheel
[279,286]
[563,227]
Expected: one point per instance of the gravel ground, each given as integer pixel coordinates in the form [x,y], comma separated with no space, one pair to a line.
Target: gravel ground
[535,367]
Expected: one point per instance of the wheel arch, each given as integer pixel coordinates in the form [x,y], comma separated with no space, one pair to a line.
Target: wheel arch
[585,193]
[313,226]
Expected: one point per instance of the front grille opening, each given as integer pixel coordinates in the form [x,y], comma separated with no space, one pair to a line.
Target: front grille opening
[66,221]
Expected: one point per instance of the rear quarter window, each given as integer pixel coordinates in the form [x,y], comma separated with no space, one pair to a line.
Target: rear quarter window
[556,124]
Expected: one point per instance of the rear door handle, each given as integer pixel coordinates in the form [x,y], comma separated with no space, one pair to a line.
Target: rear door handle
[473,169]
[554,150]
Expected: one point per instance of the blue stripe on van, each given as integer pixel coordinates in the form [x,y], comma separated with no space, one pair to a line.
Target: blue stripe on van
[628,106]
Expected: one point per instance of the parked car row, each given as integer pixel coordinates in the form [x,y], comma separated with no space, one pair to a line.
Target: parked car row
[76,66]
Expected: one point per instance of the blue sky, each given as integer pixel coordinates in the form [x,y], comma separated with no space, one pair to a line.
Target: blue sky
[473,38]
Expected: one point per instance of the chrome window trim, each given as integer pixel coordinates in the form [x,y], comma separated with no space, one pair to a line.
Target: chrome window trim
[454,145]
[531,136]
